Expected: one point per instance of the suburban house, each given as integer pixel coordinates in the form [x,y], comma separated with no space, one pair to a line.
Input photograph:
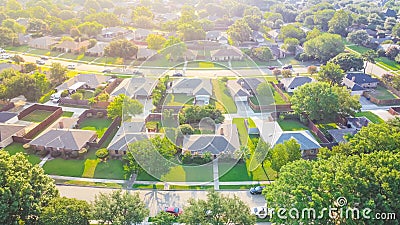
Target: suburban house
[340,134]
[8,117]
[97,50]
[243,88]
[63,141]
[226,54]
[272,133]
[113,32]
[190,55]
[145,53]
[141,34]
[223,39]
[257,36]
[292,83]
[45,42]
[356,81]
[136,88]
[8,131]
[273,34]
[72,46]
[200,89]
[225,140]
[213,35]
[129,132]
[6,66]
[357,122]
[85,81]
[277,52]
[24,39]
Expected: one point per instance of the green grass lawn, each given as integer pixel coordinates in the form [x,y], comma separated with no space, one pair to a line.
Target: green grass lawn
[223,96]
[251,123]
[371,116]
[15,148]
[88,94]
[290,61]
[382,93]
[112,169]
[80,57]
[37,116]
[62,167]
[291,125]
[358,49]
[144,186]
[67,114]
[386,62]
[144,176]
[243,135]
[235,187]
[93,184]
[178,100]
[206,65]
[44,52]
[22,48]
[190,174]
[236,173]
[100,125]
[277,97]
[259,175]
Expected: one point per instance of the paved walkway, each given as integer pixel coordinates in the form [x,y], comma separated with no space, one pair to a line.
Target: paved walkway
[216,174]
[44,160]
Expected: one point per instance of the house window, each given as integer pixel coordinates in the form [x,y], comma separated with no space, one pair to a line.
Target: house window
[116,152]
[312,151]
[124,152]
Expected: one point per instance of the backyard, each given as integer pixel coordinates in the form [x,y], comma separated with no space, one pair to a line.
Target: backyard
[15,148]
[37,116]
[100,125]
[291,125]
[371,116]
[382,93]
[223,96]
[178,100]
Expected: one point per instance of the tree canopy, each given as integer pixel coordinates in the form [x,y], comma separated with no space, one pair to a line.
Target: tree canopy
[121,48]
[324,47]
[123,106]
[193,114]
[348,61]
[331,73]
[65,211]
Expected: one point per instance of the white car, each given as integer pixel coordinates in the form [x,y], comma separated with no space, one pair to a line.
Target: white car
[71,66]
[2,50]
[261,212]
[5,56]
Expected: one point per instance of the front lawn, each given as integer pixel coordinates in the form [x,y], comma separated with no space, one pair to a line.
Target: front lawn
[371,116]
[112,169]
[291,125]
[386,62]
[382,93]
[144,176]
[202,173]
[223,96]
[358,49]
[37,116]
[236,173]
[178,100]
[62,167]
[15,148]
[243,135]
[100,125]
[67,114]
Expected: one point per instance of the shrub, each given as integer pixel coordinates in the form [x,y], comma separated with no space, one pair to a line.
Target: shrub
[46,97]
[65,93]
[276,72]
[186,129]
[77,96]
[286,73]
[55,154]
[224,79]
[207,156]
[102,153]
[74,154]
[187,158]
[312,69]
[100,114]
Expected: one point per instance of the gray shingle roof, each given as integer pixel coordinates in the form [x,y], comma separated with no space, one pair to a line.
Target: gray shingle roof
[5,116]
[129,132]
[295,82]
[135,86]
[304,138]
[361,78]
[91,80]
[193,86]
[66,139]
[338,134]
[358,122]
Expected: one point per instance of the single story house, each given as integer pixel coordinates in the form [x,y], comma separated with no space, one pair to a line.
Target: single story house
[24,39]
[361,79]
[200,89]
[113,32]
[141,34]
[292,83]
[136,88]
[129,132]
[145,53]
[63,141]
[87,81]
[226,54]
[8,117]
[273,34]
[97,50]
[213,35]
[72,46]
[225,140]
[45,42]
[6,66]
[340,134]
[258,37]
[357,122]
[223,39]
[7,131]
[243,88]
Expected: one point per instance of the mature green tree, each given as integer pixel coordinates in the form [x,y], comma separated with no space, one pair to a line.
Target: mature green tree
[313,33]
[348,61]
[186,129]
[174,48]
[92,5]
[240,31]
[359,37]
[190,32]
[32,86]
[390,22]
[142,17]
[155,41]
[263,53]
[324,47]
[7,37]
[194,114]
[363,180]
[37,26]
[13,25]
[121,48]
[322,18]
[264,94]
[65,211]
[396,30]
[58,73]
[104,18]
[291,31]
[320,101]
[290,44]
[24,188]
[285,153]
[13,5]
[369,57]
[91,29]
[331,73]
[123,106]
[339,23]
[119,208]
[217,209]
[392,52]
[164,218]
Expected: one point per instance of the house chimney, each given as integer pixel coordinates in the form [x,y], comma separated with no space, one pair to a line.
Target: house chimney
[61,125]
[221,131]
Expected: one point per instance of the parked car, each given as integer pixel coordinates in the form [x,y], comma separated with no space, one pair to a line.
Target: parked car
[5,56]
[2,50]
[107,71]
[44,58]
[286,67]
[137,72]
[261,212]
[256,190]
[272,67]
[40,62]
[71,66]
[173,210]
[177,75]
